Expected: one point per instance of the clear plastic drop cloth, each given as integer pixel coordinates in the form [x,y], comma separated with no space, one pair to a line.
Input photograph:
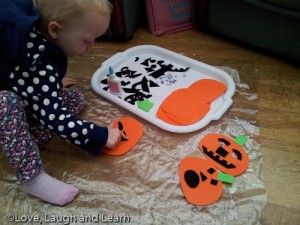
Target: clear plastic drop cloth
[141,187]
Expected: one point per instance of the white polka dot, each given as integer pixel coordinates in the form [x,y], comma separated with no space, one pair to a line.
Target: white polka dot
[62,117]
[77,142]
[84,131]
[30,89]
[74,135]
[35,98]
[29,45]
[79,122]
[15,89]
[58,86]
[52,79]
[71,124]
[43,112]
[86,141]
[11,76]
[63,136]
[17,68]
[55,106]
[61,128]
[36,80]
[26,102]
[54,94]
[92,126]
[24,94]
[45,88]
[50,127]
[42,122]
[42,48]
[68,116]
[32,35]
[42,72]
[21,82]
[51,117]
[36,56]
[35,107]
[49,67]
[25,74]
[46,101]
[33,69]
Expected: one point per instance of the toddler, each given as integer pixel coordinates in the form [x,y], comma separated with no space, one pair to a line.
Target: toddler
[36,39]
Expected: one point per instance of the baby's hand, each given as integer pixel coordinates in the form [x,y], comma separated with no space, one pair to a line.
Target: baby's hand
[114,137]
[68,82]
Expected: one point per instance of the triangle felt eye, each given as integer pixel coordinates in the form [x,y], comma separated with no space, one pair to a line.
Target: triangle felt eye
[133,130]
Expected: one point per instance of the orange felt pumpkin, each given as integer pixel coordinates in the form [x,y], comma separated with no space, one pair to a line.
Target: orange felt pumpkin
[224,154]
[134,131]
[199,182]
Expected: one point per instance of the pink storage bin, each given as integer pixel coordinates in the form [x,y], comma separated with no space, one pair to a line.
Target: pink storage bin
[169,16]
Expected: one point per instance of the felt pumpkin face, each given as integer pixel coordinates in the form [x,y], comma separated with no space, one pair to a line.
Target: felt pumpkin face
[198,181]
[132,129]
[224,154]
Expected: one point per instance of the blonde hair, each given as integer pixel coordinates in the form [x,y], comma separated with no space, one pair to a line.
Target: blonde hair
[63,10]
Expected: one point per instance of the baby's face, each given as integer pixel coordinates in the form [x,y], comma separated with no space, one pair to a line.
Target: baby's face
[78,36]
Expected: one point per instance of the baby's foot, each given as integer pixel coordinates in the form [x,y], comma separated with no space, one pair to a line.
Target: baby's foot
[50,189]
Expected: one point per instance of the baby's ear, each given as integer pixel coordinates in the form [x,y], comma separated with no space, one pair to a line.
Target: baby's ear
[54,29]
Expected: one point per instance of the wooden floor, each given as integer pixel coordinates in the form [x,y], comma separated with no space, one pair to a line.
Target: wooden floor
[277,84]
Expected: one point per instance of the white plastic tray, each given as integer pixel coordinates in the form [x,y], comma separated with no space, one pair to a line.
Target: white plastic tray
[140,67]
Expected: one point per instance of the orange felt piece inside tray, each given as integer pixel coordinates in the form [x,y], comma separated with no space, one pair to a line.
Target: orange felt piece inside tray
[224,154]
[188,105]
[134,131]
[180,121]
[198,180]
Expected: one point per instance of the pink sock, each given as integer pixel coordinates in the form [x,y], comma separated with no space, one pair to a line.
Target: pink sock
[50,189]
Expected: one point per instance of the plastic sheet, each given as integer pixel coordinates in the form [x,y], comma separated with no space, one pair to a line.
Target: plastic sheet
[142,187]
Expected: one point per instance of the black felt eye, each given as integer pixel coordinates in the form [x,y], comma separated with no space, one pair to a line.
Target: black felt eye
[191,178]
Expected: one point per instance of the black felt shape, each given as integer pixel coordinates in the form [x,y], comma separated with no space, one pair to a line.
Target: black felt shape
[153,84]
[224,141]
[126,72]
[238,154]
[222,152]
[216,158]
[104,81]
[124,83]
[213,182]
[211,170]
[191,178]
[203,177]
[137,59]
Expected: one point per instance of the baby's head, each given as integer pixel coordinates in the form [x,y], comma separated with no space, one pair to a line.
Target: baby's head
[74,24]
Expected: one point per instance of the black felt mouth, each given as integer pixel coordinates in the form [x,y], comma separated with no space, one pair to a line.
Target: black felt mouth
[217,159]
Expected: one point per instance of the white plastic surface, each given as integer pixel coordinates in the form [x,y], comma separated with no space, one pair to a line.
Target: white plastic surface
[142,61]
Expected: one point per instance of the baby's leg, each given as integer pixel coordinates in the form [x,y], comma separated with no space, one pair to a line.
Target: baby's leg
[23,155]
